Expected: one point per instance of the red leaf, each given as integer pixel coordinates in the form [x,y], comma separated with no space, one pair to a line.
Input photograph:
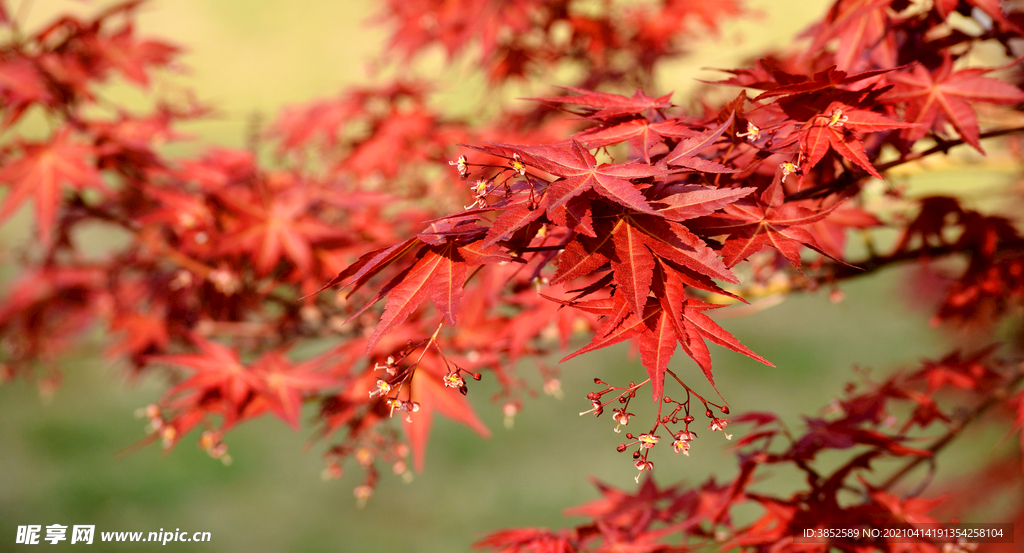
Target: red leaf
[581,257]
[943,96]
[579,173]
[286,383]
[828,79]
[40,172]
[674,242]
[829,129]
[641,133]
[657,344]
[510,221]
[692,200]
[862,27]
[428,391]
[685,153]
[439,273]
[277,228]
[216,368]
[633,265]
[622,325]
[601,105]
[368,265]
[768,221]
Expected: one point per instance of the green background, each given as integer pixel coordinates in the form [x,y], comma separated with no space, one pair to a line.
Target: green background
[58,460]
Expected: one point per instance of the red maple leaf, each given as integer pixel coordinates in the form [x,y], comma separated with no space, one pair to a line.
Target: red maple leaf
[640,132]
[862,27]
[429,392]
[439,273]
[286,383]
[271,229]
[940,96]
[685,153]
[216,369]
[688,201]
[580,173]
[41,170]
[21,85]
[602,105]
[768,220]
[143,331]
[638,239]
[130,55]
[529,540]
[831,129]
[827,80]
[668,318]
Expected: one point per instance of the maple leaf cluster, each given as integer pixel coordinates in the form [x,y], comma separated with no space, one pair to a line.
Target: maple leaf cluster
[586,218]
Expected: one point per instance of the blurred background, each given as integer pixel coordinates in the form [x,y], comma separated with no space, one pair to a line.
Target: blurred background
[58,450]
